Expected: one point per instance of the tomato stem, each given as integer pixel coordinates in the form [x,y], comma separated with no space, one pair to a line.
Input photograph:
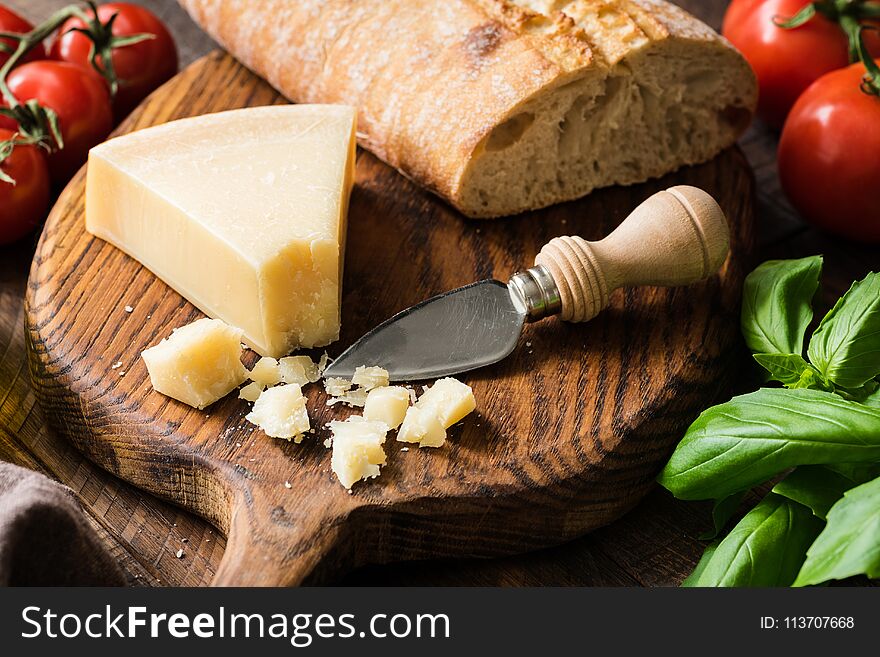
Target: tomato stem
[849,14]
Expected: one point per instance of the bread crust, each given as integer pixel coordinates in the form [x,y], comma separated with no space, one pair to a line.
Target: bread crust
[433,78]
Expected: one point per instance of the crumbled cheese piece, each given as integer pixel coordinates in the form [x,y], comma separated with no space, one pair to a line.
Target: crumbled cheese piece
[116,365]
[179,554]
[251,392]
[287,484]
[421,426]
[370,377]
[266,372]
[354,398]
[387,404]
[357,449]
[449,399]
[198,364]
[128,309]
[323,363]
[336,387]
[281,413]
[299,369]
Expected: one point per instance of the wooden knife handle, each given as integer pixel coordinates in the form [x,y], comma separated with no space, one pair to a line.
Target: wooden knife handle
[676,237]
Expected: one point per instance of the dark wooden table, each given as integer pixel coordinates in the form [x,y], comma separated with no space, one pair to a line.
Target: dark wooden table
[655,545]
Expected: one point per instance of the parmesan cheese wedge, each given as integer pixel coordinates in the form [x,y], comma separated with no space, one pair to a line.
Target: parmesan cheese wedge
[242,212]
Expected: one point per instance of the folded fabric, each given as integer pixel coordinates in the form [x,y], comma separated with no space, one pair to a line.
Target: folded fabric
[45,539]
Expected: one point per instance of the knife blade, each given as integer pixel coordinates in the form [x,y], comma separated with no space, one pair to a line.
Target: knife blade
[676,237]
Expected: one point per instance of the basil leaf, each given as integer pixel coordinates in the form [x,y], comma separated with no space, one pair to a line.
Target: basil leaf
[766,548]
[873,399]
[777,307]
[819,487]
[850,543]
[846,346]
[722,512]
[792,371]
[751,438]
[693,578]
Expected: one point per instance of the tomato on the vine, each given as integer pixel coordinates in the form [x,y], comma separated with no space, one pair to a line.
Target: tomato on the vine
[12,22]
[80,98]
[140,67]
[828,162]
[22,205]
[787,61]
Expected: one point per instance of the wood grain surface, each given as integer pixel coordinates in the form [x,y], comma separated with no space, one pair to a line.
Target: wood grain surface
[656,544]
[571,428]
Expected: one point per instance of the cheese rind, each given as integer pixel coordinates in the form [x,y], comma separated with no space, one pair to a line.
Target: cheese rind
[357,449]
[198,363]
[242,212]
[281,413]
[387,404]
[449,399]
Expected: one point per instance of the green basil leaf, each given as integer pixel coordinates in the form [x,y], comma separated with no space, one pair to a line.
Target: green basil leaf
[692,579]
[750,439]
[850,542]
[845,348]
[722,512]
[791,370]
[873,399]
[777,306]
[766,548]
[818,487]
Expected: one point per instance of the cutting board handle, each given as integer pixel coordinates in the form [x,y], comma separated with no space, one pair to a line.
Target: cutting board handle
[676,237]
[272,545]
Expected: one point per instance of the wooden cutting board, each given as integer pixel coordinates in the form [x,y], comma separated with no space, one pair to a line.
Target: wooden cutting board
[571,428]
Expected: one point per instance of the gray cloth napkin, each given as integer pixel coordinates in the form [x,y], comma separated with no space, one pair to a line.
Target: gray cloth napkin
[45,539]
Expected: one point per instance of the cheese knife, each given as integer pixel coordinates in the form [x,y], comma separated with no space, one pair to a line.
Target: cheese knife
[676,237]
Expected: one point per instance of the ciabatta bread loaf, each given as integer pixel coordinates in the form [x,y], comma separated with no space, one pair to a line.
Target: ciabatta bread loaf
[502,106]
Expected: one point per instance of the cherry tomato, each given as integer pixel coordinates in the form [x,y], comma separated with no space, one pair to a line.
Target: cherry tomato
[141,67]
[828,162]
[12,22]
[81,100]
[22,205]
[786,61]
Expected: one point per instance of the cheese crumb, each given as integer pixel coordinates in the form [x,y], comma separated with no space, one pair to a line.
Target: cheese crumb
[299,369]
[370,377]
[198,364]
[266,372]
[128,309]
[251,392]
[179,554]
[355,398]
[281,413]
[449,399]
[357,449]
[387,404]
[421,426]
[336,387]
[287,484]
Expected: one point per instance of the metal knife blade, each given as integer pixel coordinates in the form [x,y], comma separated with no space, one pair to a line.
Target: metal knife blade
[461,330]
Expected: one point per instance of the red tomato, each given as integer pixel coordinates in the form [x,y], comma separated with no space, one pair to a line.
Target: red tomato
[22,205]
[81,100]
[786,61]
[12,22]
[141,67]
[828,162]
